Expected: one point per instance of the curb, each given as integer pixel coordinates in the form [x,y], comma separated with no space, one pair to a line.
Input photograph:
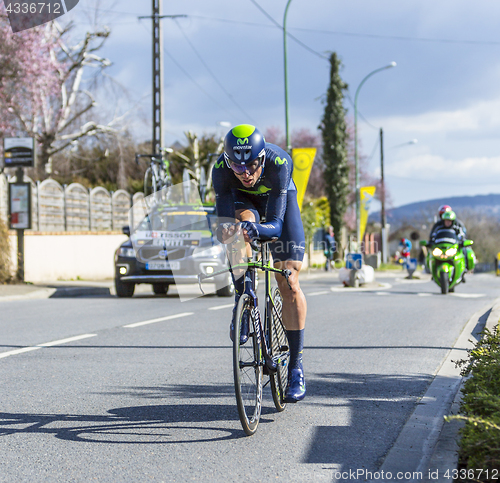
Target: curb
[426,444]
[42,293]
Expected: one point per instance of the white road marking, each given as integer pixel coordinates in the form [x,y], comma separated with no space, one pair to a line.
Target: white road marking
[317,293]
[46,344]
[381,293]
[468,295]
[160,319]
[424,294]
[380,286]
[219,307]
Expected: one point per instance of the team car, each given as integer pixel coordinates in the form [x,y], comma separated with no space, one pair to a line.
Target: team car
[171,245]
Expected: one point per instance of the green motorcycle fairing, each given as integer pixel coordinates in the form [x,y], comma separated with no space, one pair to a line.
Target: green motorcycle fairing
[446,255]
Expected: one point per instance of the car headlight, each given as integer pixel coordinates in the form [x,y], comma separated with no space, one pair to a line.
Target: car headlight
[437,252]
[451,252]
[214,251]
[126,252]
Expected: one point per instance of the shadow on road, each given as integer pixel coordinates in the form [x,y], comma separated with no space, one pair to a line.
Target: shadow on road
[161,424]
[377,405]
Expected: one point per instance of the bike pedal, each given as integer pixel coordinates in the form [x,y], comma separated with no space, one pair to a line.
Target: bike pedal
[284,348]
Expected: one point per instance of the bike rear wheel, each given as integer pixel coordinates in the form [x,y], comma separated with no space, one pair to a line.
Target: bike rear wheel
[247,367]
[280,352]
[150,182]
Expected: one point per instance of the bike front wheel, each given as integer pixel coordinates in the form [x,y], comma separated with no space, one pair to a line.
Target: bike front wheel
[247,367]
[280,352]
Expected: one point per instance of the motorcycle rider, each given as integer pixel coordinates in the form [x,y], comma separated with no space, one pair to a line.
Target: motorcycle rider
[439,224]
[449,220]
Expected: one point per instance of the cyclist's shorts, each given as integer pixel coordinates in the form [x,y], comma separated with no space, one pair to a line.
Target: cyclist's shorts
[291,243]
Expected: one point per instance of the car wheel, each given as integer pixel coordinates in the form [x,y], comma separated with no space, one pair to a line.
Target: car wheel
[160,288]
[226,290]
[124,289]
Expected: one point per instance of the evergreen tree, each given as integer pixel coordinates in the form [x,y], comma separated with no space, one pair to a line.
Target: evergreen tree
[335,138]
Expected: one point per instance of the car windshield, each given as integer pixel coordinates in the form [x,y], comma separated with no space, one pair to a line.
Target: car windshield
[176,221]
[446,235]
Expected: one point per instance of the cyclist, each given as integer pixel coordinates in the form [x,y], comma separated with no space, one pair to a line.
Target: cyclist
[252,180]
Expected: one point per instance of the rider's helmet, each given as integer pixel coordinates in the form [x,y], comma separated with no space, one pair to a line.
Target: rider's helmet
[449,215]
[443,209]
[243,145]
[403,241]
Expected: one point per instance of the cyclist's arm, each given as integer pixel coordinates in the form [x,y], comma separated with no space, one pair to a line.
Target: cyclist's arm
[276,207]
[279,167]
[224,201]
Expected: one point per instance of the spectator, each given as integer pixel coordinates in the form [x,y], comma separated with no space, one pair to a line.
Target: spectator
[330,247]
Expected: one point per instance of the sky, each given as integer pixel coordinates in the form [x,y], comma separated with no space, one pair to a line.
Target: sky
[223,63]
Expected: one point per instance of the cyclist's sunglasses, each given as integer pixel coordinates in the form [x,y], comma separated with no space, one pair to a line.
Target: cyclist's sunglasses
[250,167]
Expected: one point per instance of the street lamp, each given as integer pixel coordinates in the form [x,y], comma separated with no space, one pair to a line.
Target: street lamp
[382,195]
[358,201]
[287,132]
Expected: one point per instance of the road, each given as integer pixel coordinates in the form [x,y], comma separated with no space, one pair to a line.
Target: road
[97,388]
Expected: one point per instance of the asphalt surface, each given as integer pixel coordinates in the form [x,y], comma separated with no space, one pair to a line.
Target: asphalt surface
[390,379]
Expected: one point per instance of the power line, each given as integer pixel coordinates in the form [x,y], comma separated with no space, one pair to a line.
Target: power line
[322,56]
[213,75]
[327,32]
[196,83]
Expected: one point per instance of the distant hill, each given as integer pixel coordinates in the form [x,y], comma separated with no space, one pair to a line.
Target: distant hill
[426,210]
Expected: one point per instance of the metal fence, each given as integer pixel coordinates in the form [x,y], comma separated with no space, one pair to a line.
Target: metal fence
[73,207]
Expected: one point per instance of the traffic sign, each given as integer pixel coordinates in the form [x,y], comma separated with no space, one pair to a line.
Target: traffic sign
[19,152]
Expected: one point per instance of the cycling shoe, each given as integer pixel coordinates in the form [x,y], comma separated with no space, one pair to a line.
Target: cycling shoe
[296,388]
[244,326]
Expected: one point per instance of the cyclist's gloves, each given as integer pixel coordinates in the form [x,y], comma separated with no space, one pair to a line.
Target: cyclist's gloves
[220,229]
[251,228]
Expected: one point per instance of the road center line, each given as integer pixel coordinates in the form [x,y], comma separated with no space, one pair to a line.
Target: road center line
[312,294]
[46,344]
[160,319]
[219,307]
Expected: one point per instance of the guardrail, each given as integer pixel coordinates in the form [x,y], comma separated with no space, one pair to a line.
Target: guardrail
[73,207]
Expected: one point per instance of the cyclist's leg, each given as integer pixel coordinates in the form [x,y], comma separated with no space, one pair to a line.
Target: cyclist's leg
[245,211]
[288,253]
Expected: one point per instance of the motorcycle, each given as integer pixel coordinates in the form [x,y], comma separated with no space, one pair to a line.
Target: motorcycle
[446,259]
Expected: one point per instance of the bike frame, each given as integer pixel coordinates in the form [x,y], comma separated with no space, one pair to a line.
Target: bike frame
[264,264]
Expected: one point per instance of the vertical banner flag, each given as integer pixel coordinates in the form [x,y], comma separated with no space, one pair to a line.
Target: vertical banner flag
[366,195]
[303,159]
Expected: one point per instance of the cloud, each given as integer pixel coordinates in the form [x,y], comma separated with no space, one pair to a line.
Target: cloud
[468,171]
[477,117]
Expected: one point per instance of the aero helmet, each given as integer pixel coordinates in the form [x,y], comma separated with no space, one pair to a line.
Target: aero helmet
[444,209]
[244,144]
[449,215]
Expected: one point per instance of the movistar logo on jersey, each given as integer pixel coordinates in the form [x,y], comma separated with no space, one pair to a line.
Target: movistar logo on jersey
[242,141]
[261,190]
[219,164]
[280,161]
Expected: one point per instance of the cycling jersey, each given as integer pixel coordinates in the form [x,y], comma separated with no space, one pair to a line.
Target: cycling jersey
[273,197]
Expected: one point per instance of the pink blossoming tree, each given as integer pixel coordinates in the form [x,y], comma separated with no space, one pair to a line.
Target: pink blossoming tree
[41,93]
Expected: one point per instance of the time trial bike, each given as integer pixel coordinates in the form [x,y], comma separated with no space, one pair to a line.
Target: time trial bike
[266,352]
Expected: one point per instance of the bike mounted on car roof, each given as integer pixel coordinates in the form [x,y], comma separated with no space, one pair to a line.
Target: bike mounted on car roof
[157,175]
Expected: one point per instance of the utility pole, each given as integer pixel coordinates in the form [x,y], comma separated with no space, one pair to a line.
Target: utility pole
[157,140]
[157,80]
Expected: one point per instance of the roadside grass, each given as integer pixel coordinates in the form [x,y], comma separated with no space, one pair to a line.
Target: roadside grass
[480,409]
[5,263]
